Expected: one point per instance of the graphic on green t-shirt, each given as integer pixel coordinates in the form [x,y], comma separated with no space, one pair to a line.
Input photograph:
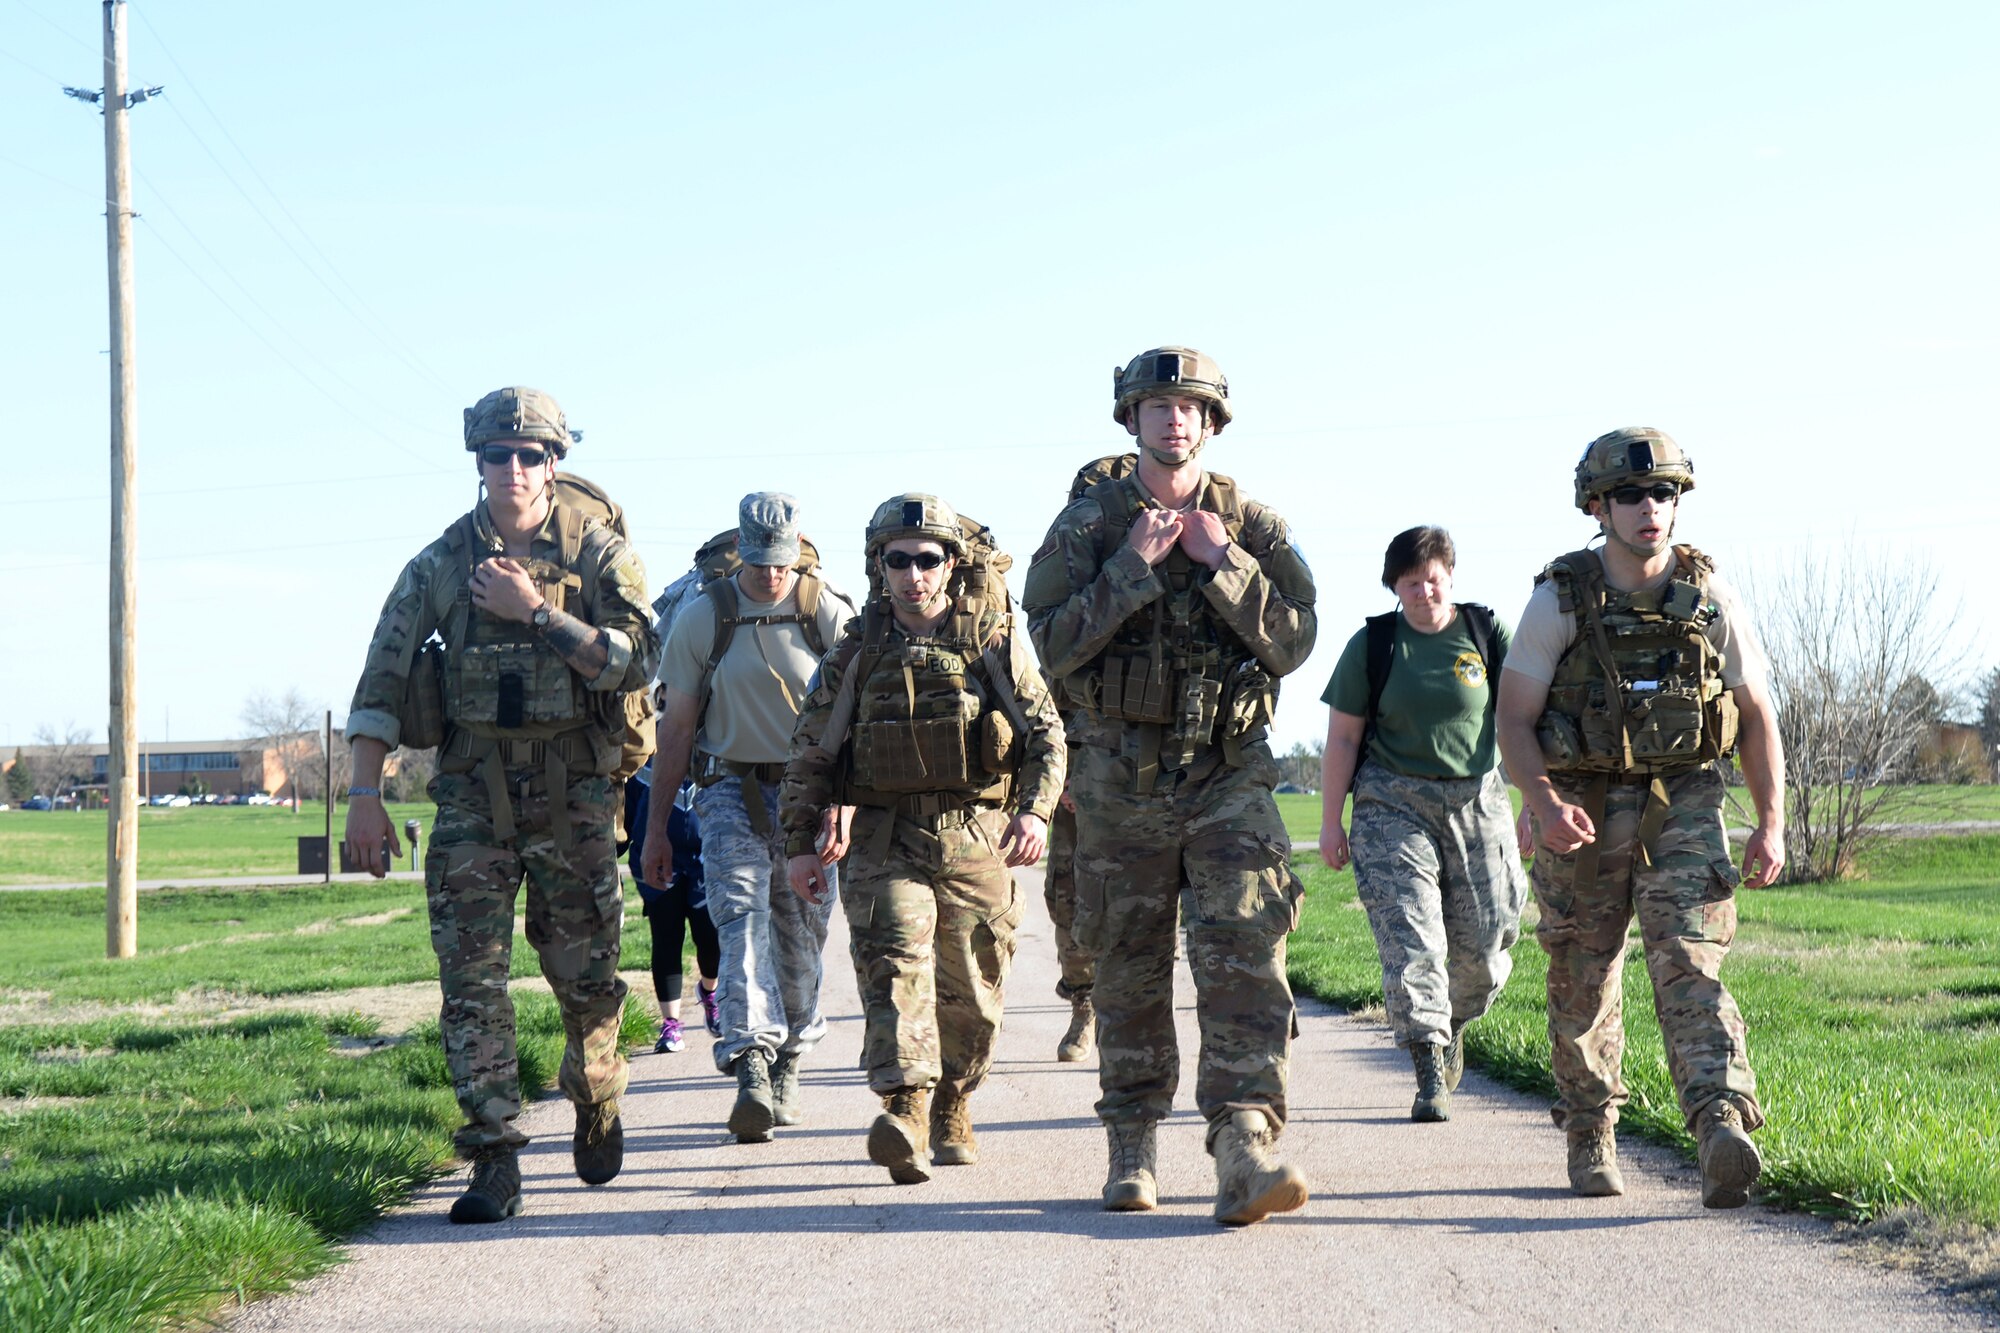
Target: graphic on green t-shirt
[1436,718]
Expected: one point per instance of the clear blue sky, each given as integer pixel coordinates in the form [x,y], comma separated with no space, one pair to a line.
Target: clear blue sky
[852,250]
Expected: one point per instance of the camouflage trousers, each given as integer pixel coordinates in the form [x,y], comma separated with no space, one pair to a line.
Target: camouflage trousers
[1211,843]
[1079,967]
[931,920]
[1686,905]
[1441,879]
[574,911]
[772,941]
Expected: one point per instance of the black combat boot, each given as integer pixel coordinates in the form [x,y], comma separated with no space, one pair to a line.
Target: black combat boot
[598,1146]
[495,1192]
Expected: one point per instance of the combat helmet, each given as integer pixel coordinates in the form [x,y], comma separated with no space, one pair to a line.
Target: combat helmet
[915,515]
[1627,456]
[1170,370]
[518,413]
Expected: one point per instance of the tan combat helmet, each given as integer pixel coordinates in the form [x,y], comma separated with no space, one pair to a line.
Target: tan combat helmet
[519,413]
[915,515]
[1170,370]
[1628,456]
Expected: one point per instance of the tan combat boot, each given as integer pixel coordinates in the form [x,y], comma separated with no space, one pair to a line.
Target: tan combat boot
[952,1141]
[1078,1042]
[1132,1186]
[1593,1162]
[1433,1101]
[1250,1183]
[1730,1162]
[900,1134]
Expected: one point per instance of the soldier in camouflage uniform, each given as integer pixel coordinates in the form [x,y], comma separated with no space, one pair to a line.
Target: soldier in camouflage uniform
[1635,668]
[931,723]
[1434,843]
[1078,966]
[1166,605]
[541,610]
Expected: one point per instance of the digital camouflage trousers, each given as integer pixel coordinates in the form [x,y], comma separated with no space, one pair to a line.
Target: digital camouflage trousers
[1440,876]
[931,924]
[1685,901]
[1214,846]
[773,942]
[574,912]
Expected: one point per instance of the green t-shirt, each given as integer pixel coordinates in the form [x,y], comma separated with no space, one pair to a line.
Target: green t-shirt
[1437,705]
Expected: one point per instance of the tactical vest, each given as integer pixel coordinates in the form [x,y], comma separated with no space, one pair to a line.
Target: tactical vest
[935,715]
[1175,667]
[503,681]
[1640,691]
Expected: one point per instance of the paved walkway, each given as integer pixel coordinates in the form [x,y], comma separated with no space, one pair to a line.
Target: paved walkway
[1467,1225]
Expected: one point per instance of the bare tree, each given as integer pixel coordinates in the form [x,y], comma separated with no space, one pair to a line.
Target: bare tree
[1856,640]
[1987,701]
[1300,766]
[58,762]
[414,770]
[288,727]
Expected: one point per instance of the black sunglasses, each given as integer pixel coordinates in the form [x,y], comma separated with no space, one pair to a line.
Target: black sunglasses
[1663,492]
[496,455]
[924,560]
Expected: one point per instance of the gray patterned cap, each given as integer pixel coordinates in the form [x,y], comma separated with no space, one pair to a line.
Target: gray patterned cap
[767,529]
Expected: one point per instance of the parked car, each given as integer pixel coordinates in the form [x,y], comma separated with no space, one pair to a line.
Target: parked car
[37,803]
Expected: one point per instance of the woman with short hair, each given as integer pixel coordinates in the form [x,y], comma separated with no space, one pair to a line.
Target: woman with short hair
[1435,854]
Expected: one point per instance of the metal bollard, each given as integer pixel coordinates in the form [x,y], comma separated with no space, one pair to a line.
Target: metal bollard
[411,830]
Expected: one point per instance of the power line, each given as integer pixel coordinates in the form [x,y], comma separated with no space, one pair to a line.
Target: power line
[379,331]
[66,33]
[276,351]
[275,321]
[53,180]
[32,69]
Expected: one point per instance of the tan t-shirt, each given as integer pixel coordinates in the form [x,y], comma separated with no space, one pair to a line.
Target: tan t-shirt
[1546,632]
[761,680]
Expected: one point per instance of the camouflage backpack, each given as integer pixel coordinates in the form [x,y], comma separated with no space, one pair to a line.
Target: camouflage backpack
[623,719]
[713,576]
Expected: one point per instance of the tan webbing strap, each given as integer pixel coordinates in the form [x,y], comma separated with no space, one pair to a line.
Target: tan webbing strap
[557,777]
[1147,770]
[494,770]
[1614,697]
[1004,688]
[1585,875]
[1654,819]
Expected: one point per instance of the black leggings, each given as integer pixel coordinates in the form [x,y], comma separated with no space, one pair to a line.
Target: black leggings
[667,915]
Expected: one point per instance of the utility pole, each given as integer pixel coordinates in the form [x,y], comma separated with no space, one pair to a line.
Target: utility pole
[121,789]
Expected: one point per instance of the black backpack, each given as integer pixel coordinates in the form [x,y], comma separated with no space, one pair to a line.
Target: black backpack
[1382,655]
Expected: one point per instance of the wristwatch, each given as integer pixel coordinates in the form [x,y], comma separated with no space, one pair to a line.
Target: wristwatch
[540,620]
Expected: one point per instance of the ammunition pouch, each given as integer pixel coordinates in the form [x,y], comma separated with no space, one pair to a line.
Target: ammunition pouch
[1250,701]
[999,743]
[422,714]
[922,755]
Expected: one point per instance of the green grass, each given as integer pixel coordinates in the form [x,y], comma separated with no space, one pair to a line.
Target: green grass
[283,940]
[174,1168]
[1912,805]
[1874,1016]
[198,842]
